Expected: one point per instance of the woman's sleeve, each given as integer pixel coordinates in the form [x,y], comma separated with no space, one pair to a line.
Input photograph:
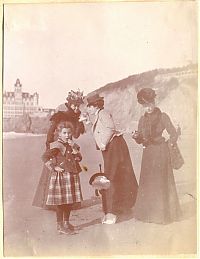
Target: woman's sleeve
[50,134]
[139,139]
[107,121]
[49,154]
[173,135]
[79,129]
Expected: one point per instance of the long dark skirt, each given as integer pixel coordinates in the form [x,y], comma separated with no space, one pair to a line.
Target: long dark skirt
[41,193]
[118,168]
[157,199]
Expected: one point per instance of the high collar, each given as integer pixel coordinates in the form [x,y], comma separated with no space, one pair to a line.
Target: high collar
[97,112]
[64,143]
[153,113]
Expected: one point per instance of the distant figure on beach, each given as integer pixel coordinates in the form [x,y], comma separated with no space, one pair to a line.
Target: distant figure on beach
[70,112]
[157,200]
[121,195]
[64,188]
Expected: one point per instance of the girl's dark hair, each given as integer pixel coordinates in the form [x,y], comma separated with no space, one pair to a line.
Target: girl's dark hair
[64,124]
[99,104]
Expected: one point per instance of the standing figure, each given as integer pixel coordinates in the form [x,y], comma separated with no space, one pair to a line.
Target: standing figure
[157,199]
[70,112]
[64,189]
[117,162]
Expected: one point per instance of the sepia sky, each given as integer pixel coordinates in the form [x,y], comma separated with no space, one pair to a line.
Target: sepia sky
[53,48]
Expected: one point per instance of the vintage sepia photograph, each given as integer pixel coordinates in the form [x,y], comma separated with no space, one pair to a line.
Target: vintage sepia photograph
[100,129]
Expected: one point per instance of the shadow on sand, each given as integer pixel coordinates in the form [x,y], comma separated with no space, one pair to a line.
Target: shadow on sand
[188,211]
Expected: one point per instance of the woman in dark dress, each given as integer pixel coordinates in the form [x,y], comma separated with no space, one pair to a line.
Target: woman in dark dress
[157,199]
[68,111]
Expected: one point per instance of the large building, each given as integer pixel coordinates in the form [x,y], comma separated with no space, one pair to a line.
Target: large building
[17,103]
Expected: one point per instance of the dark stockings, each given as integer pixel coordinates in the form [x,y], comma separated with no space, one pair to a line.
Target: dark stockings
[63,212]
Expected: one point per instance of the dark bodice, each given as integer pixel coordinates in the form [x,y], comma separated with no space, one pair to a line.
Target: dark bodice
[164,123]
[63,157]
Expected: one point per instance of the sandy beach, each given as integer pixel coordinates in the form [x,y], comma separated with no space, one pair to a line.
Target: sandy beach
[31,231]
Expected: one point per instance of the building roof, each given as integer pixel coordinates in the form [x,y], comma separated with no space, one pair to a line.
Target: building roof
[8,94]
[24,95]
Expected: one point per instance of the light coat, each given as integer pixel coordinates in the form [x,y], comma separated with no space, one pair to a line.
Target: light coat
[103,128]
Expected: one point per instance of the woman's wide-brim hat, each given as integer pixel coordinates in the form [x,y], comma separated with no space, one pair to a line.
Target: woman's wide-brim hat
[99,181]
[92,99]
[63,116]
[146,95]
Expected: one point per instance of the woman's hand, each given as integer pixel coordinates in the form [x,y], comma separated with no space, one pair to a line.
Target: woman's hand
[84,118]
[135,134]
[102,147]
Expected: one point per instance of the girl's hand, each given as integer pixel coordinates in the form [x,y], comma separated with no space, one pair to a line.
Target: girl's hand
[59,169]
[78,159]
[74,151]
[49,165]
[70,142]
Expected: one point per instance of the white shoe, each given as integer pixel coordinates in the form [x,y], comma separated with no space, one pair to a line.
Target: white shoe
[103,219]
[109,219]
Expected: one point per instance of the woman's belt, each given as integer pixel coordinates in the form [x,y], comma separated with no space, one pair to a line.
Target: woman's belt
[116,134]
[153,141]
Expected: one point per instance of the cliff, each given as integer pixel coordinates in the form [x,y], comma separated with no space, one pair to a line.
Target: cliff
[176,91]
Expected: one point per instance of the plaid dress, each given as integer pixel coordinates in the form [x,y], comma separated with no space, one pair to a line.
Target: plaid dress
[64,187]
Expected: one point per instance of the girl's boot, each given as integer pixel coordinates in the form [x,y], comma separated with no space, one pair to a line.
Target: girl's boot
[61,229]
[70,228]
[67,225]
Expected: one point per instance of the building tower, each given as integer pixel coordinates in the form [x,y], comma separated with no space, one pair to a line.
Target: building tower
[35,99]
[18,92]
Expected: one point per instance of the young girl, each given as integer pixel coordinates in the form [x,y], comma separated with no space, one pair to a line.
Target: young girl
[64,189]
[68,111]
